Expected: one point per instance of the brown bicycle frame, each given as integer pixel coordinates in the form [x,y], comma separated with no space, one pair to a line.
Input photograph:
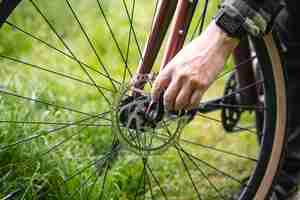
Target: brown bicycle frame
[180,13]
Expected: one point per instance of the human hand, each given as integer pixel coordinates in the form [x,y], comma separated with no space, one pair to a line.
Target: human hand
[185,79]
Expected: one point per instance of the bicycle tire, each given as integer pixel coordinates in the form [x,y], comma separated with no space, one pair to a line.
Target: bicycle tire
[262,177]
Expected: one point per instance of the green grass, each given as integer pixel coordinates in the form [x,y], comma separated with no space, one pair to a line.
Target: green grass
[29,174]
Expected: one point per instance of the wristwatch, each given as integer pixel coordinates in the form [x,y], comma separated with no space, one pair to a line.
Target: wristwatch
[230,22]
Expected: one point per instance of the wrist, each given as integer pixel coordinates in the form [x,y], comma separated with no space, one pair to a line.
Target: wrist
[224,40]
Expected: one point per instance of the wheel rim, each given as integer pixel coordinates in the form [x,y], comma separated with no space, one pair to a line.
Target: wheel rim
[96,163]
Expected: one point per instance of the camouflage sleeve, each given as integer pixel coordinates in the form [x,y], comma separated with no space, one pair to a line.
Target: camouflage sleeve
[258,15]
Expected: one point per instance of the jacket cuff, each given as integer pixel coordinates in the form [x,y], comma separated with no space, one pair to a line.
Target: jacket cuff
[257,22]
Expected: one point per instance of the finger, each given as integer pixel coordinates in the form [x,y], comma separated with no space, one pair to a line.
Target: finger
[195,99]
[160,84]
[171,94]
[183,98]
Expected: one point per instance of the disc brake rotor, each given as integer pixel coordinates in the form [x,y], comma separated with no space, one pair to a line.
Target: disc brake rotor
[144,127]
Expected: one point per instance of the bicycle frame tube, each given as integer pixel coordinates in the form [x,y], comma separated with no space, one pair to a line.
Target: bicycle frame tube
[183,11]
[245,73]
[182,20]
[162,20]
[6,7]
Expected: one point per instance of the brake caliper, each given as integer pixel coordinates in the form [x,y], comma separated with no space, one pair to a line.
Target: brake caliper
[140,113]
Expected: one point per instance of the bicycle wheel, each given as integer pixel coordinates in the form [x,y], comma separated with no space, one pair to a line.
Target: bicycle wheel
[70,129]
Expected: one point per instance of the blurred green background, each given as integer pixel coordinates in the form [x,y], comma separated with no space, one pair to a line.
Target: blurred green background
[51,166]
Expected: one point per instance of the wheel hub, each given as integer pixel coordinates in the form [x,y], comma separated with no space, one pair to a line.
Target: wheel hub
[139,113]
[145,127]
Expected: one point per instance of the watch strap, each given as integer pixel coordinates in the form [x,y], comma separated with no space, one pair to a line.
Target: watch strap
[230,22]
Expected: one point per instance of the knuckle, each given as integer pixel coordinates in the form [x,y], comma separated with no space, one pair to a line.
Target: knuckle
[200,83]
[194,82]
[182,75]
[163,76]
[204,82]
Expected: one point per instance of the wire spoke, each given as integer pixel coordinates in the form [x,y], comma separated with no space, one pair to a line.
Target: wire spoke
[149,183]
[183,162]
[156,181]
[51,149]
[212,148]
[129,41]
[208,165]
[218,150]
[91,44]
[12,195]
[154,14]
[114,37]
[43,133]
[89,165]
[142,176]
[5,92]
[82,185]
[51,123]
[196,28]
[203,16]
[116,148]
[236,67]
[220,122]
[70,51]
[133,30]
[58,50]
[224,105]
[89,169]
[46,69]
[188,173]
[240,182]
[240,90]
[206,177]
[103,160]
[201,20]
[103,182]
